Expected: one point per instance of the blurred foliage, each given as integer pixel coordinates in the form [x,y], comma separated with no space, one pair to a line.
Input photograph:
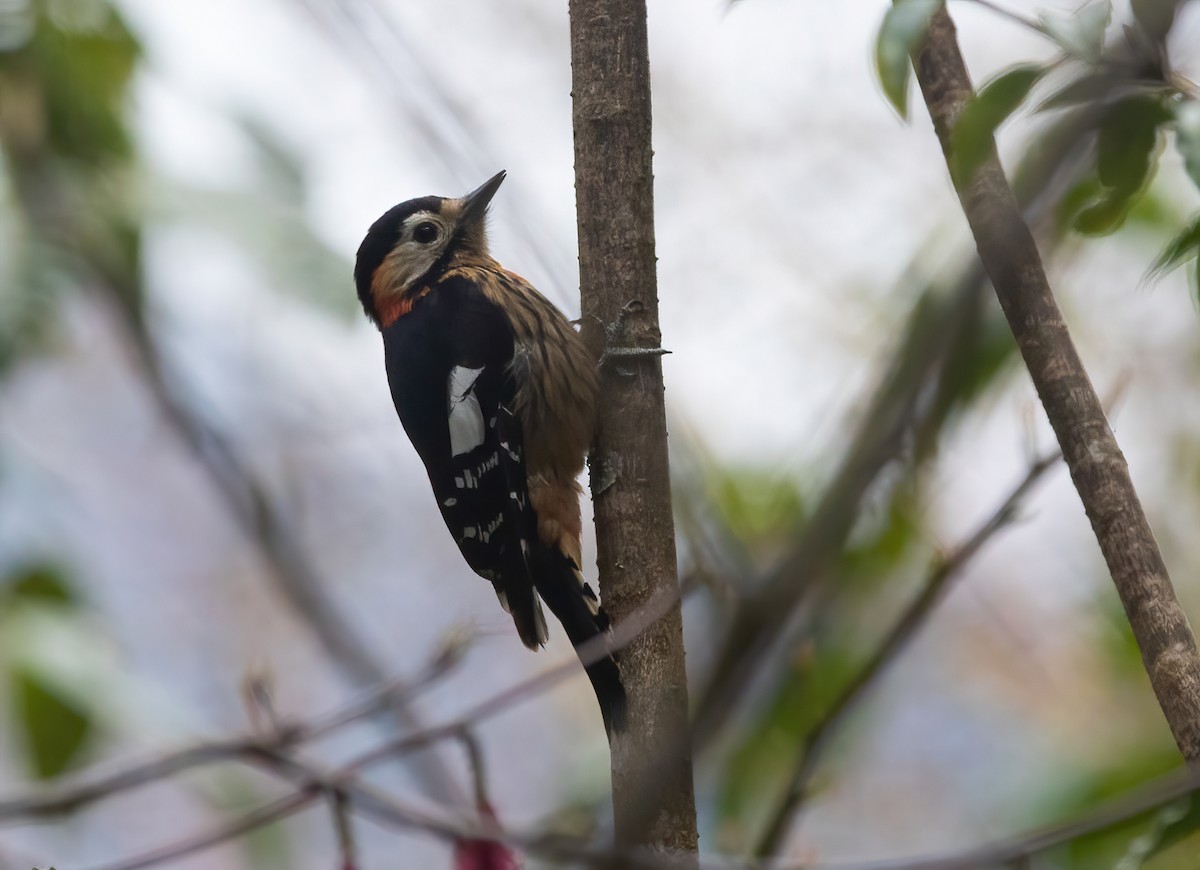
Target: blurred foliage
[54,723]
[66,70]
[760,508]
[761,765]
[64,91]
[904,26]
[1127,149]
[1080,33]
[1129,106]
[78,196]
[38,582]
[55,728]
[65,88]
[1130,85]
[763,512]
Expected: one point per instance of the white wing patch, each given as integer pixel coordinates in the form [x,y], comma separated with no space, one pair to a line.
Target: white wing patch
[466,417]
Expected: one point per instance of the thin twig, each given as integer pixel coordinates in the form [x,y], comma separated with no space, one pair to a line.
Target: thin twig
[1014,17]
[478,766]
[252,821]
[344,825]
[71,795]
[1162,791]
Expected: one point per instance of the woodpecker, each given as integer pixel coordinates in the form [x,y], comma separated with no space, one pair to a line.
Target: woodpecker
[497,393]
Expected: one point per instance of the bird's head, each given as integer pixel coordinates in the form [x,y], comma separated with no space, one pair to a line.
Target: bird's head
[413,240]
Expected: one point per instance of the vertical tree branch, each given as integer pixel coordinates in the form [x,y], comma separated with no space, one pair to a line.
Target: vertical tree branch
[1098,468]
[629,471]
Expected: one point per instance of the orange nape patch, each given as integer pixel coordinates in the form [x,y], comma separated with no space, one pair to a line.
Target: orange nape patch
[392,308]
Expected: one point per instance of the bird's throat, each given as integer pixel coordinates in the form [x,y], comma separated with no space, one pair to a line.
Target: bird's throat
[392,308]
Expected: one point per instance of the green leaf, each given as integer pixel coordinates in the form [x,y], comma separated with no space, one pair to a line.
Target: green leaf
[83,70]
[974,131]
[1196,280]
[901,33]
[1080,33]
[39,582]
[1128,140]
[879,544]
[54,729]
[1154,17]
[1086,191]
[1187,137]
[1106,215]
[1127,153]
[1173,823]
[1087,88]
[1179,249]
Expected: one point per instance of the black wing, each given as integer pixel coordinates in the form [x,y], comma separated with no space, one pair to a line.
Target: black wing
[449,369]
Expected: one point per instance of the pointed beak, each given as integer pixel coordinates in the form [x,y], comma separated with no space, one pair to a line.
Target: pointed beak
[476,202]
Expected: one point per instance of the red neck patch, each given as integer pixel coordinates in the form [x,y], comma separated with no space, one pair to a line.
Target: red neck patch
[393,308]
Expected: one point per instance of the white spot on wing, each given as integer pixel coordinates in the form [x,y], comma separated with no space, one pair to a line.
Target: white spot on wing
[466,417]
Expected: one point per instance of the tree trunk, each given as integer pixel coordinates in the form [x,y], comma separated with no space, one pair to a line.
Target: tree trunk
[630,476]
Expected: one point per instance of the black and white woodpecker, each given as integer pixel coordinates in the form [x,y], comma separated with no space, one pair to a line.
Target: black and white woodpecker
[498,395]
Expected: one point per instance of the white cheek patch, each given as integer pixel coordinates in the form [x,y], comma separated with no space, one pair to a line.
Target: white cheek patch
[466,417]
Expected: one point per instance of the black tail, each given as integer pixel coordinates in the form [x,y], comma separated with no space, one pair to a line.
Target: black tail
[559,586]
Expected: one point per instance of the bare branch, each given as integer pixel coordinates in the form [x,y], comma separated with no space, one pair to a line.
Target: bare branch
[344,826]
[252,821]
[1098,468]
[1014,17]
[1007,853]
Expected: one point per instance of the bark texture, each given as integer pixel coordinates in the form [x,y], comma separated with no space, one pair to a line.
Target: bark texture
[629,470]
[1098,468]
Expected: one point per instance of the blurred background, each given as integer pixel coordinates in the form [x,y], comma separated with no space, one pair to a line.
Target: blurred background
[203,484]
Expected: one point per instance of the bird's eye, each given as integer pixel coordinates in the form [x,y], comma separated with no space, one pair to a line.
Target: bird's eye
[425,233]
